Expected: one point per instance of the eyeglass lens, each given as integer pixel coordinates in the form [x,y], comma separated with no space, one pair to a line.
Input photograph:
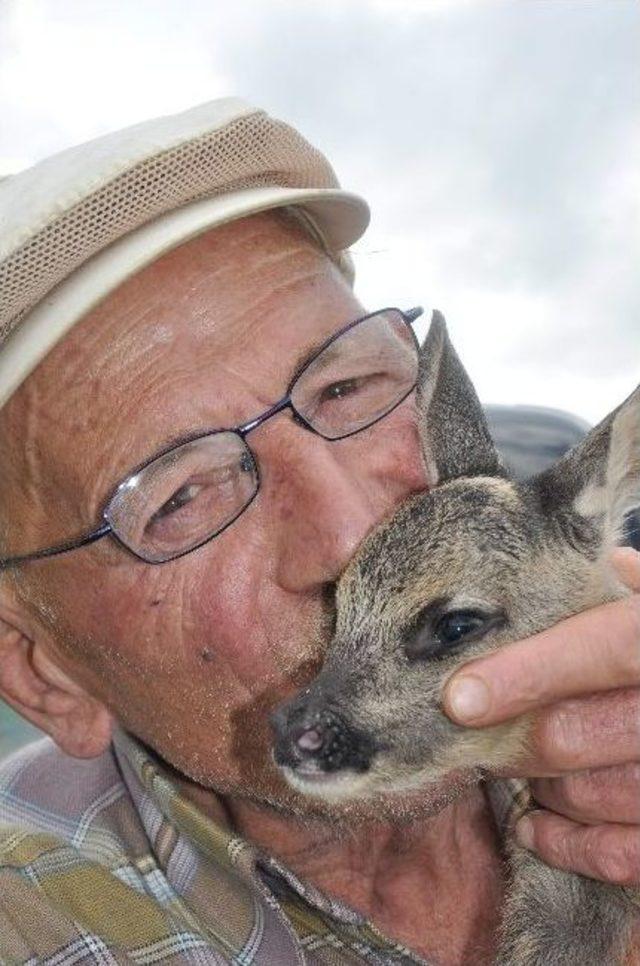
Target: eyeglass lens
[359,377]
[186,496]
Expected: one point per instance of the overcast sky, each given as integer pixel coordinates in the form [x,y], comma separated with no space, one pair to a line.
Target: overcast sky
[498,144]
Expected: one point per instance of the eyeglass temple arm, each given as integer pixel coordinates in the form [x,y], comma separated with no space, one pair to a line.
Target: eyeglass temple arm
[102,531]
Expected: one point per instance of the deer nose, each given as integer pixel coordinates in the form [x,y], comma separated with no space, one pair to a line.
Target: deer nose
[310,736]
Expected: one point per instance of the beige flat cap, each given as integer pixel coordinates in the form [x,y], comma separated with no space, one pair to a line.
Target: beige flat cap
[76,225]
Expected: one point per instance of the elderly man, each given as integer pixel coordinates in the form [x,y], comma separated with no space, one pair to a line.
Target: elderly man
[189,460]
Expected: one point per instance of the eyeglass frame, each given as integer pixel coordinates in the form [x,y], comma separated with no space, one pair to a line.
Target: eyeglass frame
[106,528]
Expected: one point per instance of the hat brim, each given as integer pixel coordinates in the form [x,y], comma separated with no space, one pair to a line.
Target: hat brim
[339,217]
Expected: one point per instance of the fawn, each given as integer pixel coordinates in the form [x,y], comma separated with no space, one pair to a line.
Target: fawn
[475,562]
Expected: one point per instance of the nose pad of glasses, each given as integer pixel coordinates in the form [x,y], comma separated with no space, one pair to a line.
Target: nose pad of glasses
[300,420]
[247,461]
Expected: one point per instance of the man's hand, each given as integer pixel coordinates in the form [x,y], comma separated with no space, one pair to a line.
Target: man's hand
[581,678]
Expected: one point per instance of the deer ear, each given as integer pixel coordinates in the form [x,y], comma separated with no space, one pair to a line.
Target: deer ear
[599,479]
[453,429]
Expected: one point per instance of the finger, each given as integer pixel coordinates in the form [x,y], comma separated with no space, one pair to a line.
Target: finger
[626,562]
[593,797]
[580,733]
[596,650]
[610,853]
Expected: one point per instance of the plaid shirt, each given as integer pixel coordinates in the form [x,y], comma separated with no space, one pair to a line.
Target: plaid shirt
[102,860]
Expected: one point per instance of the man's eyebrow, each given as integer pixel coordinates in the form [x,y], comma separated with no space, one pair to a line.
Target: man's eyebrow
[307,355]
[167,444]
[303,359]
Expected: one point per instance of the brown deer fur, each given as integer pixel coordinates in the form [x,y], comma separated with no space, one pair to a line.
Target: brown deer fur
[516,556]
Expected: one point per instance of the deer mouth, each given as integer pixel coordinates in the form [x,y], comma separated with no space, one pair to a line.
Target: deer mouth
[330,786]
[386,778]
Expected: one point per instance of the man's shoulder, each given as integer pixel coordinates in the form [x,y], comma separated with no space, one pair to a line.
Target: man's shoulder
[49,799]
[78,879]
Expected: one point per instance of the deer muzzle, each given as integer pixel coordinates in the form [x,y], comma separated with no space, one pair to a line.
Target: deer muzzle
[314,737]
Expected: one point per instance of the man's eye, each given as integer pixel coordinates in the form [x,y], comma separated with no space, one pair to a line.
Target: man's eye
[458,625]
[180,498]
[338,390]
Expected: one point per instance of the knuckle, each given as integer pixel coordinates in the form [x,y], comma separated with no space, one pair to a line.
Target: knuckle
[627,778]
[551,842]
[579,792]
[630,783]
[613,857]
[625,711]
[559,737]
[617,796]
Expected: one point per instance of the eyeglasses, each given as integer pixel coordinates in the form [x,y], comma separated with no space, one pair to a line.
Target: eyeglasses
[188,494]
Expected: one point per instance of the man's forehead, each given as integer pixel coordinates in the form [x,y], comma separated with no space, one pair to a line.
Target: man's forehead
[208,299]
[205,289]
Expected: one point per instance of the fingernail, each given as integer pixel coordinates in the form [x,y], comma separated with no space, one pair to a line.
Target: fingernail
[468,697]
[524,833]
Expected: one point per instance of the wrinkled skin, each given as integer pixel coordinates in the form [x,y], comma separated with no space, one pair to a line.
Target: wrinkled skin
[192,655]
[229,628]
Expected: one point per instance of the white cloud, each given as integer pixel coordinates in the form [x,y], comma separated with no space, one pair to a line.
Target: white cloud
[71,71]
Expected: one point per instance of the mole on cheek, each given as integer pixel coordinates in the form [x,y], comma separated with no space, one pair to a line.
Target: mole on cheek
[206,654]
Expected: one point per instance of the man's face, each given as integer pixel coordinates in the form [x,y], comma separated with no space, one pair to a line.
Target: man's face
[191,655]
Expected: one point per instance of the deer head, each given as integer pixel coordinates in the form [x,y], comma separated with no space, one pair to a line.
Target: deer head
[477,561]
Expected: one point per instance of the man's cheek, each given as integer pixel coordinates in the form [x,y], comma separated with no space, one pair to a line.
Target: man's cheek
[392,451]
[239,614]
[261,646]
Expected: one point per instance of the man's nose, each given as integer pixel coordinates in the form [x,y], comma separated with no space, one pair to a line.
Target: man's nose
[322,504]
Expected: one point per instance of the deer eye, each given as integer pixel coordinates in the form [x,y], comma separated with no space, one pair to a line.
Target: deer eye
[438,633]
[459,625]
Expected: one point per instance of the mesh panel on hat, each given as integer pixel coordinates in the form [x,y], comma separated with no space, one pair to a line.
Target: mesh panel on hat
[251,151]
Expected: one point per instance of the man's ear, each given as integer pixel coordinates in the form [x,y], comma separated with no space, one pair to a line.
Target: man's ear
[600,477]
[455,437]
[34,683]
